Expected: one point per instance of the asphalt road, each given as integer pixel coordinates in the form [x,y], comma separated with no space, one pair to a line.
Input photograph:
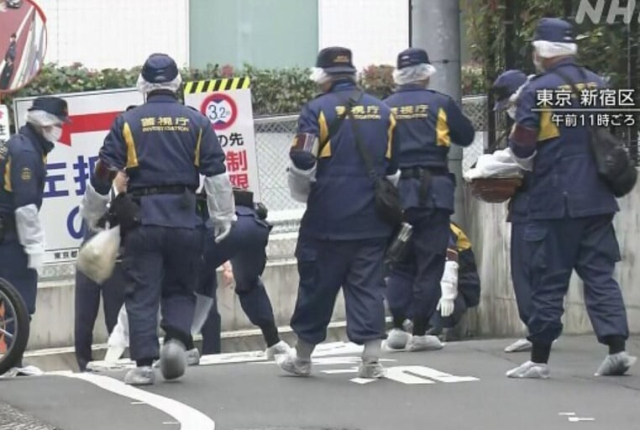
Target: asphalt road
[460,387]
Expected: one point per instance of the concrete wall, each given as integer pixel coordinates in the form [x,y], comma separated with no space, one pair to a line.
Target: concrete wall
[497,314]
[52,325]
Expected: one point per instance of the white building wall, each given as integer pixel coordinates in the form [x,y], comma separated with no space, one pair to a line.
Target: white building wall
[375,30]
[115,33]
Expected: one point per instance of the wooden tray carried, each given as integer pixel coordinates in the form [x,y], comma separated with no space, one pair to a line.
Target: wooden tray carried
[495,190]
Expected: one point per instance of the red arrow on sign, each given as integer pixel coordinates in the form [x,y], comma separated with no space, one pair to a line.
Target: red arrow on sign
[87,123]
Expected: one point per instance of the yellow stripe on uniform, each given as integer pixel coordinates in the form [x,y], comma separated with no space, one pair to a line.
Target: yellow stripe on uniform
[324,133]
[197,157]
[212,85]
[392,126]
[442,129]
[462,243]
[548,129]
[132,155]
[7,176]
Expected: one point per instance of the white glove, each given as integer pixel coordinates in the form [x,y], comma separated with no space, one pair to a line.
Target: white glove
[523,163]
[222,230]
[31,235]
[300,181]
[221,205]
[36,261]
[449,287]
[93,206]
[395,178]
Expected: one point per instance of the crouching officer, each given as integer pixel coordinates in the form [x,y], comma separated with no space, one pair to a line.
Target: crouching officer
[428,122]
[506,88]
[460,284]
[341,220]
[570,210]
[22,177]
[460,289]
[246,249]
[163,146]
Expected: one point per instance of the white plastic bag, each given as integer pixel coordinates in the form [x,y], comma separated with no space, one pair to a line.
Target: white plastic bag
[119,338]
[97,258]
[500,164]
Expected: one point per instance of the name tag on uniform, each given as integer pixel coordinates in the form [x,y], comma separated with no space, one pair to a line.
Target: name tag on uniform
[305,142]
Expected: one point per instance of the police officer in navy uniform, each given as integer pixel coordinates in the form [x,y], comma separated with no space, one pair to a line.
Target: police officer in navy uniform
[88,293]
[428,122]
[570,210]
[246,249]
[347,235]
[23,170]
[506,88]
[163,146]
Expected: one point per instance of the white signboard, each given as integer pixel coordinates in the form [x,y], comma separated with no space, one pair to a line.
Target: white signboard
[72,161]
[227,104]
[4,123]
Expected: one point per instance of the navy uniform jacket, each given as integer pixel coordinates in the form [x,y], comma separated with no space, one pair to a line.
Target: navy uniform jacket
[23,169]
[468,279]
[164,143]
[428,122]
[341,202]
[564,180]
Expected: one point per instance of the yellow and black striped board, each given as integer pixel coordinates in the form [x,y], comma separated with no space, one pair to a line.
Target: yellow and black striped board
[214,85]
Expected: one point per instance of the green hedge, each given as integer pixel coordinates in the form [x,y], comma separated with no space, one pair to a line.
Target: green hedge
[274,91]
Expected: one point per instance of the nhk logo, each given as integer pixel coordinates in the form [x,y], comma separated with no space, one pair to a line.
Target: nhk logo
[597,9]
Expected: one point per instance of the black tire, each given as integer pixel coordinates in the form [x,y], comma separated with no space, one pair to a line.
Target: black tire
[21,336]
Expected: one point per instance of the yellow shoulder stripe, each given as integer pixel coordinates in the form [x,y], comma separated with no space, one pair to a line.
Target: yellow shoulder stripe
[462,241]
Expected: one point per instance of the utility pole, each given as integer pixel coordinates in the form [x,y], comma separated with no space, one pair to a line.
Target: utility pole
[436,28]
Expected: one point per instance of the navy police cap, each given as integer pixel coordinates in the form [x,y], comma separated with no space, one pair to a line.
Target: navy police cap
[336,60]
[412,57]
[53,105]
[554,30]
[159,69]
[506,85]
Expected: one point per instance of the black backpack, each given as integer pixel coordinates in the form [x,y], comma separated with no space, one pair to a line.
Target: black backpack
[613,162]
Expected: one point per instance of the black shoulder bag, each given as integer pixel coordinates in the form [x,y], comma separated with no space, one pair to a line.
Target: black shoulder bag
[387,197]
[614,165]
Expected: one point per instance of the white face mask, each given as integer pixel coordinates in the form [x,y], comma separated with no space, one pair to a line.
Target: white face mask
[511,111]
[53,134]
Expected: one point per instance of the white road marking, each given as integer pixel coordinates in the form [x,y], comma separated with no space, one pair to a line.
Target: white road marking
[578,419]
[188,417]
[362,381]
[567,414]
[399,375]
[340,371]
[427,372]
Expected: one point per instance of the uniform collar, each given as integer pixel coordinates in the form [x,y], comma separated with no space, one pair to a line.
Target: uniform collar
[161,96]
[564,62]
[342,85]
[410,87]
[43,145]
